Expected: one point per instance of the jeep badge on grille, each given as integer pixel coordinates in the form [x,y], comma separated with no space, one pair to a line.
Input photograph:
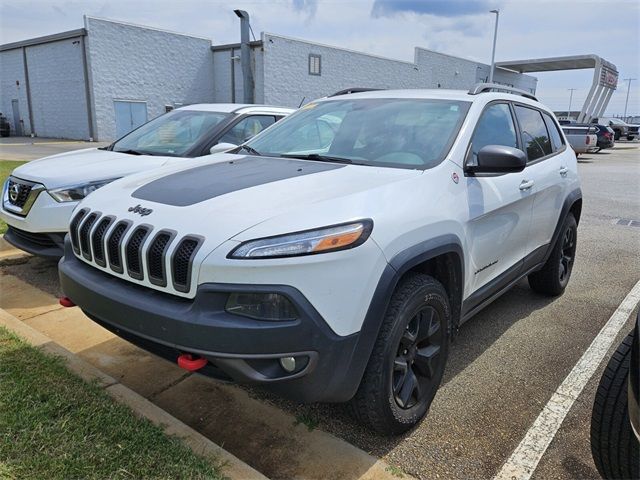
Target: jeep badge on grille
[141,210]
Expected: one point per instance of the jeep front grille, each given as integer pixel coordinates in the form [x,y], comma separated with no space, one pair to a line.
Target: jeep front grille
[83,235]
[137,252]
[181,263]
[97,240]
[134,252]
[113,246]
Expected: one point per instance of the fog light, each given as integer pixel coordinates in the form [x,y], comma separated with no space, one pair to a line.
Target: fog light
[261,306]
[288,363]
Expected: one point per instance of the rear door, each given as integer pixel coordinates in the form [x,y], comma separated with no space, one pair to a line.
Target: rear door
[547,169]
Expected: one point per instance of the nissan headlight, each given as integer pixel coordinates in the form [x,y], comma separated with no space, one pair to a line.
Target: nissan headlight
[308,242]
[77,192]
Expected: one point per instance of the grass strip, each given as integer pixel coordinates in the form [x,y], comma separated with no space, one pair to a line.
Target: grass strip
[53,425]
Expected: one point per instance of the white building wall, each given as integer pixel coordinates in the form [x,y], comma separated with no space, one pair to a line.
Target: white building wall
[287,79]
[12,71]
[128,62]
[58,94]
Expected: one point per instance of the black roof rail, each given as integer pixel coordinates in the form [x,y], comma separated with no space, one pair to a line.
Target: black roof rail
[347,91]
[496,87]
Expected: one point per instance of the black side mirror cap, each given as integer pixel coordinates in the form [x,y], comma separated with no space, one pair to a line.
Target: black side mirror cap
[498,159]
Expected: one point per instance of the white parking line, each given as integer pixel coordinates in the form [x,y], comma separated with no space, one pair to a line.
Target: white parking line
[525,458]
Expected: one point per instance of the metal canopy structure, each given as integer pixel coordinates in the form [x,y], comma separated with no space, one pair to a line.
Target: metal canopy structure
[605,78]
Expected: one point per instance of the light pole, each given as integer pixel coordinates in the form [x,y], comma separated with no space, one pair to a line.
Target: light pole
[626,102]
[570,99]
[493,51]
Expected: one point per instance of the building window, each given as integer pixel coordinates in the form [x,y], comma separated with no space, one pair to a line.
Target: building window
[315,67]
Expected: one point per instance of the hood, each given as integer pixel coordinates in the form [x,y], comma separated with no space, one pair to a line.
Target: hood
[220,199]
[87,165]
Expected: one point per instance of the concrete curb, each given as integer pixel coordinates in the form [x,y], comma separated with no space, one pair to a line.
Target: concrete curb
[234,468]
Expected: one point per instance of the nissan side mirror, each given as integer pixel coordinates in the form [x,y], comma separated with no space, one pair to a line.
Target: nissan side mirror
[498,159]
[222,147]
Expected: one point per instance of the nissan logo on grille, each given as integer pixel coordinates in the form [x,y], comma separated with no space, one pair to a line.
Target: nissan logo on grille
[141,210]
[14,192]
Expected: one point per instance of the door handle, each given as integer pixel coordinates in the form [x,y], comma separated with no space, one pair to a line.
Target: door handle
[563,171]
[526,184]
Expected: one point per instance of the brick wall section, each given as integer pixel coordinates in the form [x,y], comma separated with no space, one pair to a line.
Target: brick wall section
[12,69]
[129,62]
[287,79]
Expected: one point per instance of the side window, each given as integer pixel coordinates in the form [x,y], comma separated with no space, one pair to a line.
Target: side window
[495,127]
[247,128]
[556,138]
[534,133]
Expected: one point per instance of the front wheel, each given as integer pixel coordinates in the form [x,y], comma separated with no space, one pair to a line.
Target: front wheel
[554,276]
[408,358]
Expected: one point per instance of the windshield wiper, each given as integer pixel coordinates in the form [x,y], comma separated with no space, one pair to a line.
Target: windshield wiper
[317,157]
[131,152]
[249,150]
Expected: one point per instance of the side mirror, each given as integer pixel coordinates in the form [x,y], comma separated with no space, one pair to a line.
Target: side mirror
[499,159]
[222,147]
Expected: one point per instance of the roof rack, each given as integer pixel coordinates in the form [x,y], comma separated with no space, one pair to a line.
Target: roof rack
[347,91]
[496,87]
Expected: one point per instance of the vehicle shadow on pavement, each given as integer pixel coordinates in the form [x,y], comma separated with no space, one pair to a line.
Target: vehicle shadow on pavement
[473,338]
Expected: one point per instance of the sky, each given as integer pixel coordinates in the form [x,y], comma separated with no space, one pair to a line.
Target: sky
[390,28]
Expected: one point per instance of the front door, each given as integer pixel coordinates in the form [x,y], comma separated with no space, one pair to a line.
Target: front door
[129,116]
[500,207]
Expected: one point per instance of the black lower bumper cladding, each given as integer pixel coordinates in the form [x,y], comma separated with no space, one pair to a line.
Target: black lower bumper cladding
[237,348]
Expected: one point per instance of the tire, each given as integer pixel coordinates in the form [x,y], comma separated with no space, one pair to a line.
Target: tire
[554,276]
[401,378]
[614,447]
[630,137]
[616,135]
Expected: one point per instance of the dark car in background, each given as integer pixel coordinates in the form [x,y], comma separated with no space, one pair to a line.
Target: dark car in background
[621,128]
[606,136]
[615,420]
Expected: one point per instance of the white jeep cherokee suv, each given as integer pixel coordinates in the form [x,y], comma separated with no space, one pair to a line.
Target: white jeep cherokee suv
[39,197]
[331,257]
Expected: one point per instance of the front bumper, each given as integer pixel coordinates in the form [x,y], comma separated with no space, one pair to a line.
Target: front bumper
[238,349]
[41,244]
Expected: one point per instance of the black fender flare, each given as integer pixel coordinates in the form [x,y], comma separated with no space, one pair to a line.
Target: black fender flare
[571,199]
[400,264]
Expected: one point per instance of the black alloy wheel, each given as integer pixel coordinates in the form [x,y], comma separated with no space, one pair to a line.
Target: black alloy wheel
[418,358]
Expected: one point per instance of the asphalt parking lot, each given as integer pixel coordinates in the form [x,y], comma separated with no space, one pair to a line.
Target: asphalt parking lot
[25,148]
[504,365]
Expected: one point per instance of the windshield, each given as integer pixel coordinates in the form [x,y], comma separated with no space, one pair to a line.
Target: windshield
[405,133]
[172,134]
[615,121]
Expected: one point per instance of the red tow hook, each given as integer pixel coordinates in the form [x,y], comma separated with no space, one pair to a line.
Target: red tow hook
[191,362]
[66,302]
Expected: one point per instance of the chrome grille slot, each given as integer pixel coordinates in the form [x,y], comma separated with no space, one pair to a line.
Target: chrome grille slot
[156,257]
[97,240]
[73,229]
[83,235]
[181,262]
[113,245]
[133,252]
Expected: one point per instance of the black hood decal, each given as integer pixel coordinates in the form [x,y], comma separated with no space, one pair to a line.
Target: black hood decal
[202,183]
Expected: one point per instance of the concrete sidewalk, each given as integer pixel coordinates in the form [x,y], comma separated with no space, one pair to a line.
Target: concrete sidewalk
[270,440]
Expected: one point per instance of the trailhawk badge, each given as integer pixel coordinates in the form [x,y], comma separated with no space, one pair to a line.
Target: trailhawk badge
[141,210]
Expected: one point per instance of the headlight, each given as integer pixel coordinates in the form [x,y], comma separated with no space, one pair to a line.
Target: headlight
[309,242]
[77,192]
